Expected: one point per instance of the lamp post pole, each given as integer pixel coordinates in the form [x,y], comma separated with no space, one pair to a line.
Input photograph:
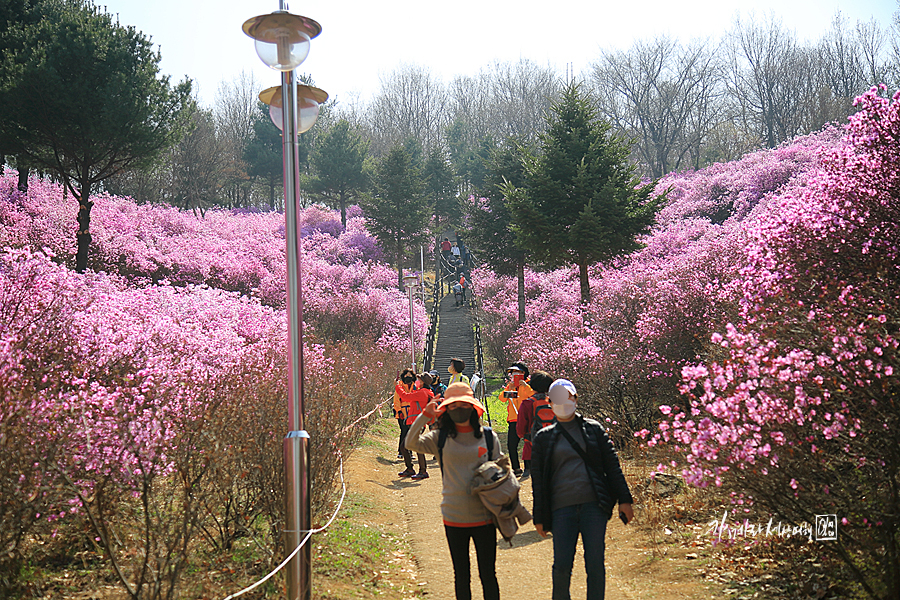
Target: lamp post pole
[296,443]
[410,281]
[282,42]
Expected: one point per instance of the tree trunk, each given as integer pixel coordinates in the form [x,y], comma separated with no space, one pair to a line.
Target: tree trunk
[83,237]
[400,265]
[23,176]
[585,284]
[343,203]
[520,275]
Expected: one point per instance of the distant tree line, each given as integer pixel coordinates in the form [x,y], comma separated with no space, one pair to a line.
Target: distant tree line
[670,105]
[681,104]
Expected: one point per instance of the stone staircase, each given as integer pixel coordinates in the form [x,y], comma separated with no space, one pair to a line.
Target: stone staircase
[455,338]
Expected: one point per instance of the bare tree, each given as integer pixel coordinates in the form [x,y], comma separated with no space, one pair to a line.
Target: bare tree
[411,104]
[662,94]
[197,165]
[771,79]
[893,33]
[521,96]
[853,62]
[233,113]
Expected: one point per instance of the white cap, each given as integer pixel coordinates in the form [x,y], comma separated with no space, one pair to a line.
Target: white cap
[560,390]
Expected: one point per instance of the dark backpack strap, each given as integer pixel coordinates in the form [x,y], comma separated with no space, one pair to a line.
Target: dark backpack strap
[587,461]
[442,439]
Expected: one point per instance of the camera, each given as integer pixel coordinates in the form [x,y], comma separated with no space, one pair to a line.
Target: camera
[511,394]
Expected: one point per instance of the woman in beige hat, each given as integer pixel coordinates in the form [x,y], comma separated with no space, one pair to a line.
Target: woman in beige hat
[462,445]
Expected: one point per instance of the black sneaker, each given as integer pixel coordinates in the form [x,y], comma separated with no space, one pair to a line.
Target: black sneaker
[517,472]
[526,474]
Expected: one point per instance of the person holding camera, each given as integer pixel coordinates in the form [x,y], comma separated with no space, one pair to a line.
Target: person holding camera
[401,407]
[418,398]
[577,480]
[513,394]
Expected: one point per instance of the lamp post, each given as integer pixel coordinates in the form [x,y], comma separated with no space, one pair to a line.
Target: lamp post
[282,42]
[410,282]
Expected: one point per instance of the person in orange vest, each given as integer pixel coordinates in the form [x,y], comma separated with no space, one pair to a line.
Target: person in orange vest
[464,285]
[515,391]
[418,399]
[401,407]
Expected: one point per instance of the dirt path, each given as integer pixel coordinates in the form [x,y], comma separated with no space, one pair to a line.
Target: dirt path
[632,571]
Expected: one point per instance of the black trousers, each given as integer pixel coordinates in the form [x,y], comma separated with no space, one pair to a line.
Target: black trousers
[403,429]
[512,445]
[406,454]
[485,538]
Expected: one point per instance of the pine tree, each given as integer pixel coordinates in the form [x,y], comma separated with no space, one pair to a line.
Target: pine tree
[82,98]
[397,212]
[442,188]
[264,152]
[491,222]
[338,162]
[581,203]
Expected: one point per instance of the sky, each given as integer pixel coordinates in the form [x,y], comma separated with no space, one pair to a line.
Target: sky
[363,41]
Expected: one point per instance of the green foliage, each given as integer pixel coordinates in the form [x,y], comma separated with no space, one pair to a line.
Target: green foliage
[581,203]
[264,153]
[82,98]
[397,212]
[490,219]
[468,155]
[442,188]
[338,162]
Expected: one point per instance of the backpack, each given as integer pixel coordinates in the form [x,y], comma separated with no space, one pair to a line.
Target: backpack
[543,414]
[488,440]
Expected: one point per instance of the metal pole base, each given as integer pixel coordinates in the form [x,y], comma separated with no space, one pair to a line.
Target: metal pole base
[297,516]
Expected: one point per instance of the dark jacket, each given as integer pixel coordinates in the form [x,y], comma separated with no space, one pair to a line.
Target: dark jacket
[610,486]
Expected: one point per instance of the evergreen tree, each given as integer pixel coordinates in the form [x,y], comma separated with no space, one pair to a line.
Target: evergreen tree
[490,220]
[442,188]
[581,203]
[81,98]
[468,157]
[264,152]
[397,211]
[338,162]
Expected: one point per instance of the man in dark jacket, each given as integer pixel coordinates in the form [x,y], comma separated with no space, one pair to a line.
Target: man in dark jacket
[577,480]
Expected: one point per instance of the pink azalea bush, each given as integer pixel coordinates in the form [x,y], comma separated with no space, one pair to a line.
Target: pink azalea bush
[762,319]
[343,273]
[651,312]
[800,414]
[146,397]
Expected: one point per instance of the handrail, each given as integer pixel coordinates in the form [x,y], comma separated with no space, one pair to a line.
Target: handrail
[479,348]
[436,295]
